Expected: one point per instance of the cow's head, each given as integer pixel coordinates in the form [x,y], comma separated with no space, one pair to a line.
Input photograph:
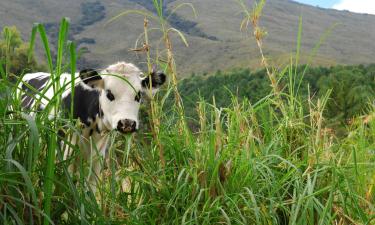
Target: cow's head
[121,87]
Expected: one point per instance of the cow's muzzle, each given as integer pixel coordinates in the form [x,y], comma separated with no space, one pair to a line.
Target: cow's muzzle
[127,126]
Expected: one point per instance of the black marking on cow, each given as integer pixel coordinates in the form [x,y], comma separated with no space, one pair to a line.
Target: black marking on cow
[97,129]
[85,104]
[33,85]
[91,132]
[61,133]
[157,79]
[88,75]
[101,114]
[138,97]
[110,96]
[27,101]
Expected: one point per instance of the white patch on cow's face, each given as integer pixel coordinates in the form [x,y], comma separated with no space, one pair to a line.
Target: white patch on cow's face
[120,97]
[120,87]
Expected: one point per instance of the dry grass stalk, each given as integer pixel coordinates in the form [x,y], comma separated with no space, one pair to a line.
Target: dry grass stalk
[172,71]
[259,34]
[155,112]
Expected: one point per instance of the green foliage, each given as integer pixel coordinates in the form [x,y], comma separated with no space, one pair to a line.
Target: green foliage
[352,89]
[14,52]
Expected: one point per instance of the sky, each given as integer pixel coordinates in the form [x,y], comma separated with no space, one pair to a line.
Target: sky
[359,6]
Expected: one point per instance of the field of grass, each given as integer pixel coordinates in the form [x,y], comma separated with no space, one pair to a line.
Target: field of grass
[265,162]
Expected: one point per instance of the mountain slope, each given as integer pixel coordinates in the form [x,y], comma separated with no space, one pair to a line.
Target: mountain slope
[215,41]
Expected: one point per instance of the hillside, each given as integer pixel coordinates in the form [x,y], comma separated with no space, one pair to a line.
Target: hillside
[214,36]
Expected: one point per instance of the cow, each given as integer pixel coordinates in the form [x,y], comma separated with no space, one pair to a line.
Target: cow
[103,101]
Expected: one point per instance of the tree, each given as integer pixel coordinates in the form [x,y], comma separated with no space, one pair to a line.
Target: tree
[14,53]
[351,92]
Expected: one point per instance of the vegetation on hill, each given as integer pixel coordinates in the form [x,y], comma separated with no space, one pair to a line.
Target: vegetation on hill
[351,89]
[92,12]
[187,26]
[14,53]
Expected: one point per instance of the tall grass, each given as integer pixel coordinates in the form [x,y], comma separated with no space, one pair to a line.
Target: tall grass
[249,163]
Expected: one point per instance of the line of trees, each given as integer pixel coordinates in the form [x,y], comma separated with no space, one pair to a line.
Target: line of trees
[352,89]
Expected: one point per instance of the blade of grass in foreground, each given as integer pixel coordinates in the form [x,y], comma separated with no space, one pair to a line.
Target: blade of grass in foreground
[52,143]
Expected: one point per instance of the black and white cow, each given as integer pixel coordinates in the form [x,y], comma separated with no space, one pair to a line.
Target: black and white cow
[103,101]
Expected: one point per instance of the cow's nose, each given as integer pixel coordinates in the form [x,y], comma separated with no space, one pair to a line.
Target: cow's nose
[126,126]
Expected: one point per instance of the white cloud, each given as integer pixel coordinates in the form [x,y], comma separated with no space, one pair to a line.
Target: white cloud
[359,6]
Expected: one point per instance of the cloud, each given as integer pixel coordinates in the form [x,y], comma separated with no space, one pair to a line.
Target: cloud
[358,6]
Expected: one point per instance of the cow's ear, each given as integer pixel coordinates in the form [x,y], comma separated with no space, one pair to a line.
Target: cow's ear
[91,78]
[157,80]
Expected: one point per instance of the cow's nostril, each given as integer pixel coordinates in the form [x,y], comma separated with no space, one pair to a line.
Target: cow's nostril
[120,125]
[126,126]
[129,123]
[134,125]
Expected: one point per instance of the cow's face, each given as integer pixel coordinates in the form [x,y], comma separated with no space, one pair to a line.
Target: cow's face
[121,87]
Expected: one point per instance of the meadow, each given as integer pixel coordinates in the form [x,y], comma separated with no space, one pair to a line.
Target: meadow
[270,160]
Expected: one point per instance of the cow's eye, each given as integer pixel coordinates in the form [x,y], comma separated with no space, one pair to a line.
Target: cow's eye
[110,96]
[138,97]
